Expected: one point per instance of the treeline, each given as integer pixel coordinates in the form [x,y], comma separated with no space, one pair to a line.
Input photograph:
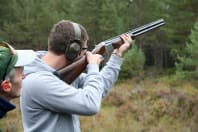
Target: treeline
[27,23]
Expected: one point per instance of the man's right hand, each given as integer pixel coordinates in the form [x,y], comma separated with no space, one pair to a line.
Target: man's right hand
[94,58]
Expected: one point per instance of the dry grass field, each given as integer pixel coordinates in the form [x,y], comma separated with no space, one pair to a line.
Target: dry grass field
[144,106]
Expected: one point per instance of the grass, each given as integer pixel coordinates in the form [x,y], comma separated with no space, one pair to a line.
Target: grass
[149,105]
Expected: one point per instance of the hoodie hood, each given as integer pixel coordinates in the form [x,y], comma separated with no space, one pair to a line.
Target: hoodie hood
[38,65]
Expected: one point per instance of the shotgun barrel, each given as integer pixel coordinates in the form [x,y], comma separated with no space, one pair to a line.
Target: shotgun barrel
[137,31]
[72,71]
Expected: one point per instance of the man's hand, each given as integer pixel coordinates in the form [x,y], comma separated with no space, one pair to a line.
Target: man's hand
[94,58]
[127,42]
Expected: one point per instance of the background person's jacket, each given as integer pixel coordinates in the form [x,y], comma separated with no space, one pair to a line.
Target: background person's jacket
[5,106]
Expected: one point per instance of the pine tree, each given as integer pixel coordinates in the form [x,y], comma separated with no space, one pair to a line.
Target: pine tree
[103,19]
[30,21]
[188,64]
[180,19]
[4,10]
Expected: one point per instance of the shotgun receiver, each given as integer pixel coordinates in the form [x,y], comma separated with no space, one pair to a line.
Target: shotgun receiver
[72,71]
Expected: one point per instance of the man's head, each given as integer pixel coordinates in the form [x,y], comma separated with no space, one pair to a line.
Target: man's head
[11,67]
[67,37]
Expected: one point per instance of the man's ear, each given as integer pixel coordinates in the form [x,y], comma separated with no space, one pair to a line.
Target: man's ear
[6,86]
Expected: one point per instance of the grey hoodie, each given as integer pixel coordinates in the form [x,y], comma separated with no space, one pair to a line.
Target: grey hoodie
[48,104]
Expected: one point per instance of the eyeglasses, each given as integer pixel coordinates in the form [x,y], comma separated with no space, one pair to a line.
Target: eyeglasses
[84,48]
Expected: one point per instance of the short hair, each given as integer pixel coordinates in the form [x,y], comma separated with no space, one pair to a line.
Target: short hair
[62,34]
[11,76]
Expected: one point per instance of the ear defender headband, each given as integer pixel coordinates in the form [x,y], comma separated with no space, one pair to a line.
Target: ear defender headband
[74,48]
[8,58]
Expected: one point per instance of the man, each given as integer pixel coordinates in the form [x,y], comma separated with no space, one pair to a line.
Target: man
[11,74]
[48,103]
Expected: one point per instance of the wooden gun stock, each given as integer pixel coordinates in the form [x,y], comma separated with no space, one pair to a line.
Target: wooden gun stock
[71,72]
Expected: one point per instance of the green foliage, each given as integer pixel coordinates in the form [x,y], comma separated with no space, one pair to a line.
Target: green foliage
[27,23]
[133,63]
[31,22]
[101,19]
[188,64]
[180,18]
[3,11]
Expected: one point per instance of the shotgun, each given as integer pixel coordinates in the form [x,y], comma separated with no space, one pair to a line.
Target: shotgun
[72,71]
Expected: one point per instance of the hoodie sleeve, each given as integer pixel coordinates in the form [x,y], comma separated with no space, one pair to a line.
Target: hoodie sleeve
[109,74]
[47,91]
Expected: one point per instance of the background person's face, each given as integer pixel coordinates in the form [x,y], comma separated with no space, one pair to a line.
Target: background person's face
[17,82]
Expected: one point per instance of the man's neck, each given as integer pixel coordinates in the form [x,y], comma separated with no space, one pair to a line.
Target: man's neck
[55,61]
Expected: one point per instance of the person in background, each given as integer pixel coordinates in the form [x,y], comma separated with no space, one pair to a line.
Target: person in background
[11,74]
[52,105]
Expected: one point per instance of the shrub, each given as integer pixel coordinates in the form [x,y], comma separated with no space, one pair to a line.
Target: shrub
[187,67]
[133,63]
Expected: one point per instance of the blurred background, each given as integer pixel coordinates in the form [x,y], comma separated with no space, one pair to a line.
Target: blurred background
[157,90]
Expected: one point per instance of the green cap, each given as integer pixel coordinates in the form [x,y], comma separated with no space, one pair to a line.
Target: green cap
[10,58]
